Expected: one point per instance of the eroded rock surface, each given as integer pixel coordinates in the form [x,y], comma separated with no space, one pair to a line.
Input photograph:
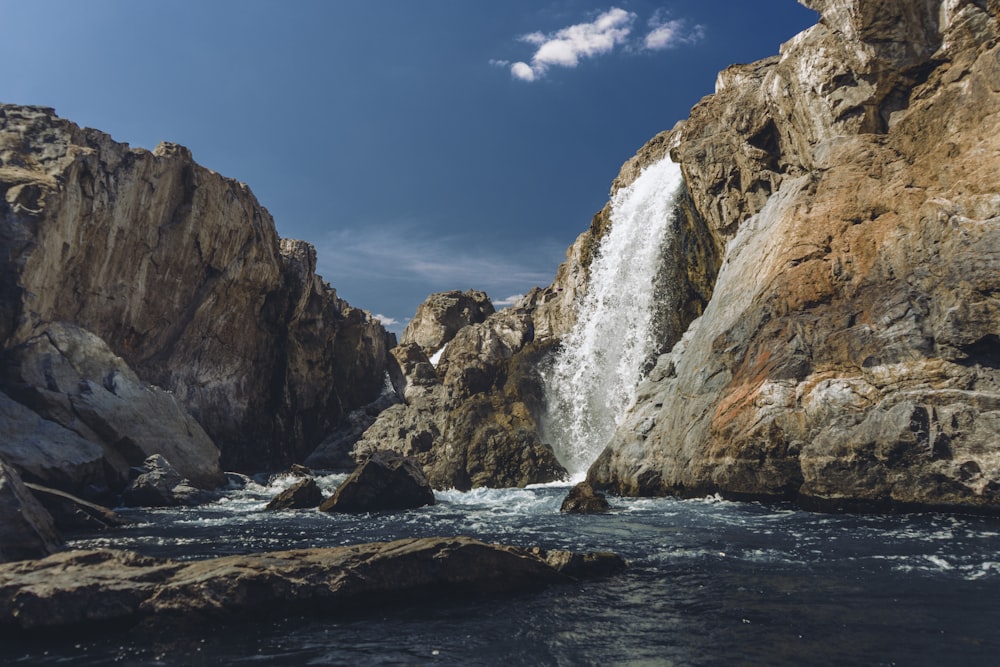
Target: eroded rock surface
[848,354]
[114,590]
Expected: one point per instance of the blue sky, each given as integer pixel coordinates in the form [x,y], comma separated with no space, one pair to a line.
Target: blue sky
[420,145]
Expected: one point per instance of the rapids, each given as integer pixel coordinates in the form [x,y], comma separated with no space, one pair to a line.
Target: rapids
[710,582]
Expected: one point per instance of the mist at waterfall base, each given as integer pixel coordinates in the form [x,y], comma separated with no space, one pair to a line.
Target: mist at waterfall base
[593,377]
[710,582]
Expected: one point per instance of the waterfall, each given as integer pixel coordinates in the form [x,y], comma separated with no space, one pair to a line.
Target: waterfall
[593,377]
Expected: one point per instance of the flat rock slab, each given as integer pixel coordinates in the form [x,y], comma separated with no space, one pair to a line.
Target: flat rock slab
[117,590]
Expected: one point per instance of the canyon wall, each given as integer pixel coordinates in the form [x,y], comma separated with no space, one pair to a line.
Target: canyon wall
[849,355]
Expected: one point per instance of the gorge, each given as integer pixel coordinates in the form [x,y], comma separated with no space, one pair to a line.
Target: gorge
[790,301]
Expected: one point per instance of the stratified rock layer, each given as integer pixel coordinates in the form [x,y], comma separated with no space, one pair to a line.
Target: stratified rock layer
[181,273]
[848,356]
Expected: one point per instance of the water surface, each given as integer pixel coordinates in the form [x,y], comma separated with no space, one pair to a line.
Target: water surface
[711,582]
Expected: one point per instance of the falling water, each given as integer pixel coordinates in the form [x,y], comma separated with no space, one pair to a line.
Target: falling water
[593,378]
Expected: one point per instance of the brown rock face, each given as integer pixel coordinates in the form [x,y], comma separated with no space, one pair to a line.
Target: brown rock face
[181,273]
[849,353]
[472,421]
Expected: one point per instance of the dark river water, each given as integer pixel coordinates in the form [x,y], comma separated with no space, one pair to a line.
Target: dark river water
[710,583]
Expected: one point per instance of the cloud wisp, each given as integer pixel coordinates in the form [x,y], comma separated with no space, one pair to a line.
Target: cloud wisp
[405,257]
[611,29]
[667,33]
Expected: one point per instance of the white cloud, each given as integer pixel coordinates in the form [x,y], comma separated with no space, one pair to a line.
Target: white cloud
[565,48]
[671,33]
[611,29]
[386,320]
[522,71]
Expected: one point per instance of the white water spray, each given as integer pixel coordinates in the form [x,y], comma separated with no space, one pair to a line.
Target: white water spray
[594,376]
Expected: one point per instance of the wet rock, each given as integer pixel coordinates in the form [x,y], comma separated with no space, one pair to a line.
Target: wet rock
[386,481]
[160,485]
[582,499]
[303,494]
[26,528]
[114,590]
[585,565]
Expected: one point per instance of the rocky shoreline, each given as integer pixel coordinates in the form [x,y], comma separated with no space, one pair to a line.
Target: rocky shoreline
[109,590]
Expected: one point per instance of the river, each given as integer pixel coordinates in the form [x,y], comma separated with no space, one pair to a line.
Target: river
[710,582]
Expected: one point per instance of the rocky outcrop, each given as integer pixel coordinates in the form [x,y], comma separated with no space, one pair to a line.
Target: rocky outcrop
[180,272]
[473,420]
[583,499]
[386,481]
[442,315]
[161,485]
[848,354]
[116,590]
[26,529]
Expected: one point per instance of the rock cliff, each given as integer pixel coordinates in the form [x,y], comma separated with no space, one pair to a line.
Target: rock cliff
[212,331]
[849,354]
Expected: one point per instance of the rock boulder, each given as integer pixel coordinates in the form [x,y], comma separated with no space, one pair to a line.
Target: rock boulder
[582,499]
[161,485]
[386,481]
[303,494]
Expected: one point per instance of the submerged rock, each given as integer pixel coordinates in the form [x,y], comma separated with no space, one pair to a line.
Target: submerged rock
[582,499]
[115,590]
[386,481]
